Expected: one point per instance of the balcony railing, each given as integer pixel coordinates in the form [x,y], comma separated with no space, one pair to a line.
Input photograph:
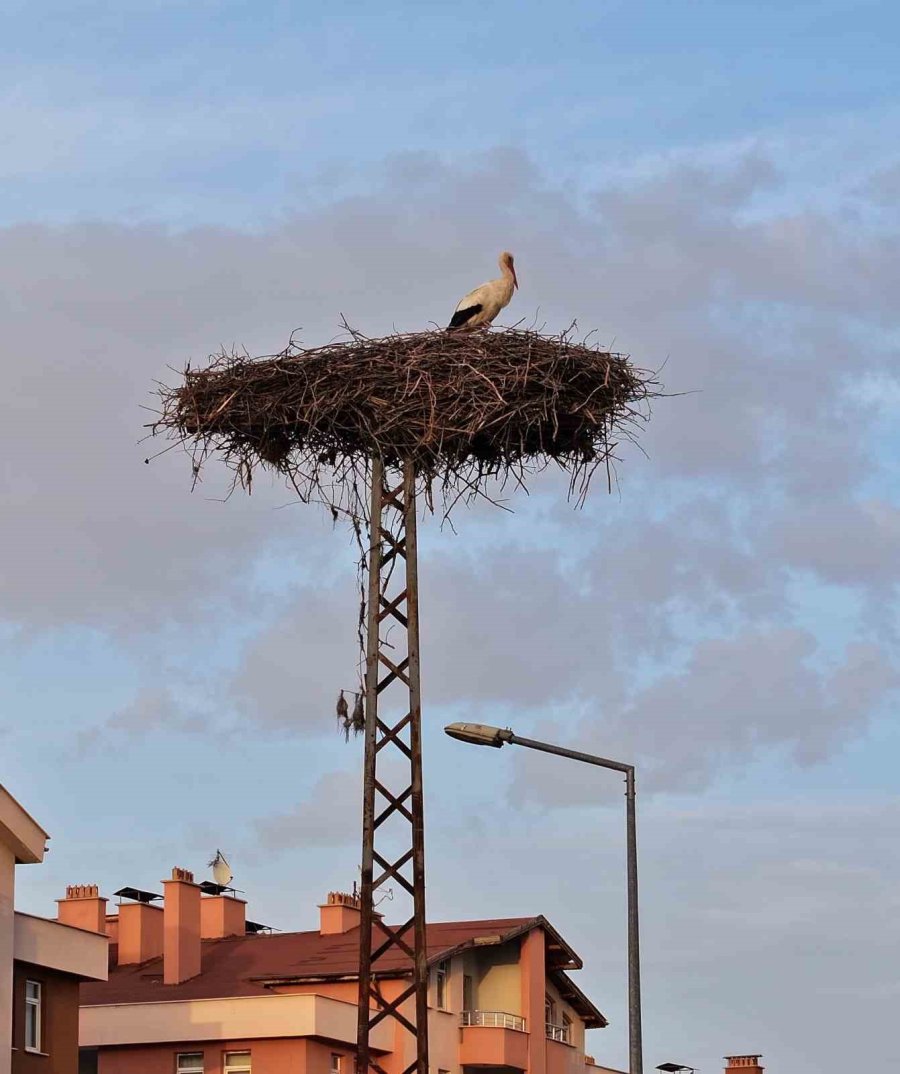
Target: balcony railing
[493,1019]
[559,1033]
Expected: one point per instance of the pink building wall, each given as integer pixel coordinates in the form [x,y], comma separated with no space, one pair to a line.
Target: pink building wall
[533,971]
[268,1057]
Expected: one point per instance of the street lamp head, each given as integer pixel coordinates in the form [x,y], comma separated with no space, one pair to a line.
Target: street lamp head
[479,734]
[674,1067]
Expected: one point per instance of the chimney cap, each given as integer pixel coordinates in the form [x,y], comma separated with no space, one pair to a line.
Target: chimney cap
[81,891]
[209,888]
[136,895]
[343,898]
[183,876]
[255,927]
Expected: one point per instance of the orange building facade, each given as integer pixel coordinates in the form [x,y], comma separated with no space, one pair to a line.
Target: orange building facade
[42,962]
[194,988]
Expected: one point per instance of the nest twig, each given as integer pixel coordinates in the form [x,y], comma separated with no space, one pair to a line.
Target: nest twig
[468,408]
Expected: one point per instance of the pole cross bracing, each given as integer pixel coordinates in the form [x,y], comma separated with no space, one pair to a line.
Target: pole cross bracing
[392,784]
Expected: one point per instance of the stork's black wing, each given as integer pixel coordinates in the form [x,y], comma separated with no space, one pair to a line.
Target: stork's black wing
[462,316]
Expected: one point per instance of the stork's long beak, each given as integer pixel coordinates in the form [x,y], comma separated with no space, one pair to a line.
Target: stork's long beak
[515,280]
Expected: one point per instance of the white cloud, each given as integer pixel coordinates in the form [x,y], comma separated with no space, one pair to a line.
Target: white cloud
[661,618]
[329,816]
[739,473]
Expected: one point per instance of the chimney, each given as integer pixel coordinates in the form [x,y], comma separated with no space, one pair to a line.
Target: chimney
[746,1064]
[181,927]
[83,907]
[341,913]
[221,916]
[140,932]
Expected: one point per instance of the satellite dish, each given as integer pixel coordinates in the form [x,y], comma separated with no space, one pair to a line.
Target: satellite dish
[221,870]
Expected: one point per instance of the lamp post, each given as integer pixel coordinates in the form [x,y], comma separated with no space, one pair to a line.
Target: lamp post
[480,734]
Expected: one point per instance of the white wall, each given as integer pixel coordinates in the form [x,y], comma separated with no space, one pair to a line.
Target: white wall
[235,1018]
[61,947]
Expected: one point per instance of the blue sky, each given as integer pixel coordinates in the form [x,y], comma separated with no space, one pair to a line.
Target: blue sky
[235,112]
[713,186]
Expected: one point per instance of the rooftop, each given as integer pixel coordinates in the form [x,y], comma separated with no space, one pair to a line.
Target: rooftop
[20,831]
[252,965]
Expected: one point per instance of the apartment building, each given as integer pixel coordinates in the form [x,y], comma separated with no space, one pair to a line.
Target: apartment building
[42,962]
[196,988]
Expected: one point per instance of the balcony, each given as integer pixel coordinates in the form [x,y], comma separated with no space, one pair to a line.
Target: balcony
[558,1033]
[493,1039]
[562,1055]
[493,1020]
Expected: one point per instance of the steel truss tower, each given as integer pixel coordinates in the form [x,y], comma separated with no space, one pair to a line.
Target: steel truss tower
[393,744]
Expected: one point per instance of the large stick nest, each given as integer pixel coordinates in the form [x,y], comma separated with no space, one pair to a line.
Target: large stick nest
[468,408]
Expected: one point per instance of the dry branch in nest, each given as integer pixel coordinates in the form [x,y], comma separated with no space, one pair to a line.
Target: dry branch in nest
[468,408]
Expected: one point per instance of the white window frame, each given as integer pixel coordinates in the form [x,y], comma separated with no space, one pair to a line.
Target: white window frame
[179,1069]
[34,1005]
[441,980]
[337,1063]
[237,1063]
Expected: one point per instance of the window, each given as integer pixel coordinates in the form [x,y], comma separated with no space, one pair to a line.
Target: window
[337,1063]
[567,1028]
[440,981]
[549,1011]
[87,1061]
[32,1016]
[237,1063]
[468,993]
[189,1063]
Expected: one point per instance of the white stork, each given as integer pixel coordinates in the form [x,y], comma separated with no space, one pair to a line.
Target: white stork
[479,307]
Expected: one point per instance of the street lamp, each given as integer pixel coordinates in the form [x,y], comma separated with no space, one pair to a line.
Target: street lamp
[479,734]
[672,1068]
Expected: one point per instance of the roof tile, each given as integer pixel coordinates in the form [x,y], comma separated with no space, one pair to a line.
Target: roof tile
[240,965]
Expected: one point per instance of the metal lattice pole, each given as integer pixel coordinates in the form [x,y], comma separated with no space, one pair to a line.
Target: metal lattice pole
[393,744]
